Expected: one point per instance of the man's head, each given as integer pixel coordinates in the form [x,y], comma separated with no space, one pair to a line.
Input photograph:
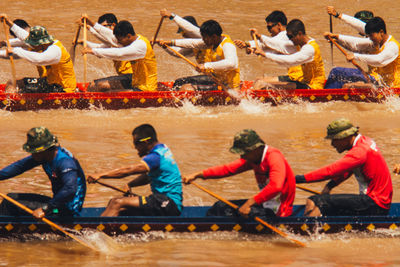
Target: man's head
[296,31]
[21,23]
[144,138]
[364,15]
[342,133]
[190,19]
[211,32]
[375,29]
[276,22]
[248,144]
[40,143]
[124,32]
[108,20]
[38,38]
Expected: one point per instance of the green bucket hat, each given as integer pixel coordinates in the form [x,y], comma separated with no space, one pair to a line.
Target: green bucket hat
[245,141]
[364,15]
[340,128]
[38,35]
[39,139]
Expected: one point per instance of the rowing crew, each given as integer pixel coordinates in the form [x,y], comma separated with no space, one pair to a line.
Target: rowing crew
[215,54]
[274,177]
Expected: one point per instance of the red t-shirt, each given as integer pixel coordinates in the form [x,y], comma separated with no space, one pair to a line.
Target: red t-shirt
[367,163]
[274,176]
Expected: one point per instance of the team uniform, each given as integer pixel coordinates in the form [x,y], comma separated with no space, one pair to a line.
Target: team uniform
[383,62]
[203,82]
[123,68]
[223,60]
[143,62]
[166,185]
[365,161]
[278,43]
[68,185]
[308,57]
[60,74]
[275,180]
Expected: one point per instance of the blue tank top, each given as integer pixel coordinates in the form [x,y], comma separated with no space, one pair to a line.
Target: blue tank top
[166,179]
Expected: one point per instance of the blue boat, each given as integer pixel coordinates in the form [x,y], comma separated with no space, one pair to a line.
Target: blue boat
[193,219]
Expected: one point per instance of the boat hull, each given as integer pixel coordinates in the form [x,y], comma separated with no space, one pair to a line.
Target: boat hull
[167,98]
[194,220]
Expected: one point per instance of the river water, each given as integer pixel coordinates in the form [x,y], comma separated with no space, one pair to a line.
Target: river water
[199,137]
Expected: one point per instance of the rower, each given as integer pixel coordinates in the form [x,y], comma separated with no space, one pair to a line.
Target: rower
[308,55]
[365,161]
[274,177]
[45,51]
[220,57]
[16,42]
[276,25]
[379,50]
[187,26]
[357,22]
[157,168]
[349,77]
[103,30]
[64,171]
[136,49]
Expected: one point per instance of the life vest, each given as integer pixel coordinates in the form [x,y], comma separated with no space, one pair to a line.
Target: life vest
[295,73]
[230,78]
[122,67]
[144,70]
[391,72]
[62,73]
[314,72]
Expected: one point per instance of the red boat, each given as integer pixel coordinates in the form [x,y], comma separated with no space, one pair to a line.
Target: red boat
[165,97]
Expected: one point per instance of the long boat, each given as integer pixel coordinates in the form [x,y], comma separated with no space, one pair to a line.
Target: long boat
[194,220]
[166,97]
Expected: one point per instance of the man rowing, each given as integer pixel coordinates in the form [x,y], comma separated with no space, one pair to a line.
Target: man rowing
[349,77]
[135,48]
[187,26]
[64,171]
[357,22]
[103,31]
[221,61]
[379,50]
[157,168]
[273,174]
[45,51]
[276,25]
[365,161]
[308,56]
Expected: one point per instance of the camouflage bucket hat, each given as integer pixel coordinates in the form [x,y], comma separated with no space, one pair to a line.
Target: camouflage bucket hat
[364,15]
[38,35]
[39,139]
[245,141]
[340,128]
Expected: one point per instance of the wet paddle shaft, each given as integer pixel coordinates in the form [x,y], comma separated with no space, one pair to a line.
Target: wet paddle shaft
[56,226]
[14,75]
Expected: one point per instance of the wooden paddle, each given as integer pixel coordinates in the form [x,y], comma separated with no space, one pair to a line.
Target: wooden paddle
[115,188]
[331,30]
[215,79]
[75,43]
[56,226]
[276,230]
[14,75]
[352,61]
[256,42]
[308,190]
[157,31]
[85,55]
